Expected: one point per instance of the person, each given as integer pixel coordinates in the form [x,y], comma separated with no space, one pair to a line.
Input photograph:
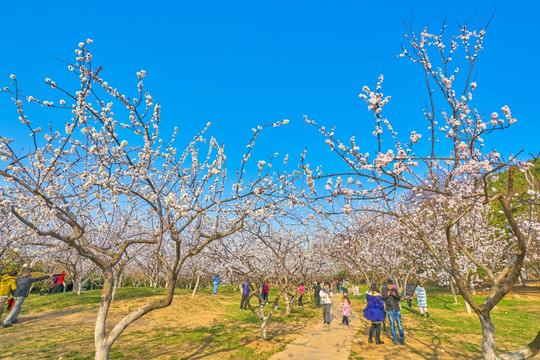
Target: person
[345,286]
[408,295]
[346,307]
[338,286]
[58,283]
[317,294]
[356,290]
[392,299]
[421,298]
[374,312]
[20,294]
[8,284]
[266,291]
[216,284]
[245,295]
[326,301]
[301,290]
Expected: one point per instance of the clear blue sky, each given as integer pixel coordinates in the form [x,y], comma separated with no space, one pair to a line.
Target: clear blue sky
[244,63]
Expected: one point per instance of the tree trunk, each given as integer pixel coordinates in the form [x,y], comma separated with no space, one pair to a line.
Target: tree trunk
[488,337]
[264,326]
[468,308]
[115,287]
[453,292]
[196,285]
[528,352]
[290,301]
[101,344]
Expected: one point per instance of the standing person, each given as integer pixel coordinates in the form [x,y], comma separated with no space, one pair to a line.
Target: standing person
[317,294]
[8,284]
[421,298]
[356,290]
[58,280]
[394,314]
[20,294]
[345,286]
[216,284]
[409,294]
[266,291]
[301,290]
[338,286]
[346,306]
[374,312]
[326,301]
[245,295]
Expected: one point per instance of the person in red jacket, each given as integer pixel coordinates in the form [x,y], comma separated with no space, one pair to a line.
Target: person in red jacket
[301,291]
[58,283]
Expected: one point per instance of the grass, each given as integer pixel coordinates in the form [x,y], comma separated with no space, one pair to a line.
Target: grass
[61,325]
[212,327]
[457,333]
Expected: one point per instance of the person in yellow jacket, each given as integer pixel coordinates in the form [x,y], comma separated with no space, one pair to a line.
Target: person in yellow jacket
[8,284]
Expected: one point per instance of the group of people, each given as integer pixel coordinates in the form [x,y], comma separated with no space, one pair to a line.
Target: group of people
[387,302]
[19,288]
[323,296]
[381,304]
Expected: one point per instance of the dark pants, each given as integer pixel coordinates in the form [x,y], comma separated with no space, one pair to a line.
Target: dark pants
[265,298]
[244,302]
[317,301]
[326,312]
[409,302]
[345,320]
[300,303]
[375,329]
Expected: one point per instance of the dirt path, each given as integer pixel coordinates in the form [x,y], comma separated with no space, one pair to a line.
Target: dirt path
[326,342]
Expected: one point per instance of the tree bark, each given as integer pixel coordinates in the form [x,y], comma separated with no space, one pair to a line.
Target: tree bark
[196,285]
[103,346]
[488,337]
[453,292]
[527,352]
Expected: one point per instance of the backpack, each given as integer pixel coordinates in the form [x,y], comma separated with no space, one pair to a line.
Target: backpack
[10,303]
[55,278]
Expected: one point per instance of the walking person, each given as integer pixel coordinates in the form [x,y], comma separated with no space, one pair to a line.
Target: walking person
[374,312]
[245,295]
[392,299]
[317,294]
[266,291]
[20,294]
[216,284]
[326,301]
[346,307]
[301,291]
[409,294]
[8,284]
[421,298]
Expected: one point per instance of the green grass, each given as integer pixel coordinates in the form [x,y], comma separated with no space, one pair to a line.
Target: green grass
[515,320]
[233,334]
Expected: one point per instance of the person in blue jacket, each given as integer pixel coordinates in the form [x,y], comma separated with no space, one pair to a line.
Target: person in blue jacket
[245,295]
[374,312]
[216,284]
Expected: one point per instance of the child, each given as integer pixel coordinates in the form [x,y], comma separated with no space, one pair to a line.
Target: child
[346,305]
[421,299]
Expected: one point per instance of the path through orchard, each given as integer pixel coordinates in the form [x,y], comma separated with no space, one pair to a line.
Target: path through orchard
[323,341]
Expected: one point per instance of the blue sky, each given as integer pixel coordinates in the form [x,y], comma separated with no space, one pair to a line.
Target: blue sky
[240,64]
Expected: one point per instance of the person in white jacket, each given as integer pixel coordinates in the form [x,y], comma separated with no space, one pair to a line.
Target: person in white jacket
[326,302]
